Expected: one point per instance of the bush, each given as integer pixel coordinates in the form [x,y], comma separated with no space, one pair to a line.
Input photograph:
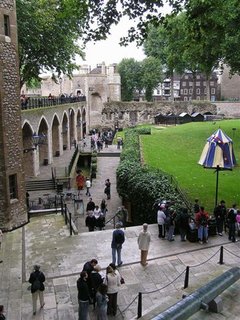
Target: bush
[139,184]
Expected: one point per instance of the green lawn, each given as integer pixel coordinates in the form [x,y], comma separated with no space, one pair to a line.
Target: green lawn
[176,150]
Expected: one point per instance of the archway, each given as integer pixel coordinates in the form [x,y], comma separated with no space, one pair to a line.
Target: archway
[84,123]
[79,126]
[43,148]
[28,152]
[55,137]
[65,132]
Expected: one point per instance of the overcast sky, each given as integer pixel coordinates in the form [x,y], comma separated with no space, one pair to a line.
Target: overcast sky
[109,51]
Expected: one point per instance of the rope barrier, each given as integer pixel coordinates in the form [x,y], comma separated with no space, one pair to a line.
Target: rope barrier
[232,253]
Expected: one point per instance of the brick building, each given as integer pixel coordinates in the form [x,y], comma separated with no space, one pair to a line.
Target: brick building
[13,211]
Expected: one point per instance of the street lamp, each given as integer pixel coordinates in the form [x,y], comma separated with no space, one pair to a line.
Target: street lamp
[36,141]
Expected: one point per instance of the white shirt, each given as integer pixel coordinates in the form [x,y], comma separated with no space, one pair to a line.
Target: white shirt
[160,217]
[88,183]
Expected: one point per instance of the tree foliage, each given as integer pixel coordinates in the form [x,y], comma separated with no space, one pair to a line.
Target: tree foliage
[48,32]
[130,72]
[139,76]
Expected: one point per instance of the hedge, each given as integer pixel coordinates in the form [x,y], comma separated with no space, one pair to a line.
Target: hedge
[140,185]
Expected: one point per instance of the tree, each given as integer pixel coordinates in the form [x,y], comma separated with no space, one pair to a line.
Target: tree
[48,32]
[130,72]
[166,44]
[152,75]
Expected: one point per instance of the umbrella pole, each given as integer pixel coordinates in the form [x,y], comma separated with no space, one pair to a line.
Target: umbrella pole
[216,196]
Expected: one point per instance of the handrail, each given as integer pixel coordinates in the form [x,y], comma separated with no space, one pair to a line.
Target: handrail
[72,160]
[42,102]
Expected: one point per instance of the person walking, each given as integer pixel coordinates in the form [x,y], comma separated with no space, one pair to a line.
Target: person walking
[118,238]
[37,278]
[90,221]
[80,181]
[202,225]
[90,205]
[83,296]
[113,283]
[144,239]
[88,186]
[102,302]
[107,189]
[161,222]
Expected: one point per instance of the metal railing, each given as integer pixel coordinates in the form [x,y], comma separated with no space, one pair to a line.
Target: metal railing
[41,102]
[139,296]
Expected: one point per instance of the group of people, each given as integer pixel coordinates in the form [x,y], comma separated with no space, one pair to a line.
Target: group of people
[96,215]
[99,289]
[168,219]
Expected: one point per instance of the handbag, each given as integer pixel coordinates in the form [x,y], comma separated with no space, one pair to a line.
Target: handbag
[122,281]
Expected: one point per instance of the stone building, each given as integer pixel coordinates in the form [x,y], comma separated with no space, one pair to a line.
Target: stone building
[100,85]
[13,211]
[230,85]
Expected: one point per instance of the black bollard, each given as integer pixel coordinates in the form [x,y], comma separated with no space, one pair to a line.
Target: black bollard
[186,281]
[139,305]
[221,256]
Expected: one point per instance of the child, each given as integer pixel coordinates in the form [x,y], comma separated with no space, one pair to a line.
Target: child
[88,186]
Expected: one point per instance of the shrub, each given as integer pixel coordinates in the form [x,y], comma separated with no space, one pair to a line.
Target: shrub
[139,184]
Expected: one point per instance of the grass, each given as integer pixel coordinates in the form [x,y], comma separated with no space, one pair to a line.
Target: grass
[176,150]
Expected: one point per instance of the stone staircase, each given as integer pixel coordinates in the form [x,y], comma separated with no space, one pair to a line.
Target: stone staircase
[36,185]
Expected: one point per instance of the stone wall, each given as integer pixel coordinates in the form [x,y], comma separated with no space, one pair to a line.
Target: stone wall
[13,212]
[124,114]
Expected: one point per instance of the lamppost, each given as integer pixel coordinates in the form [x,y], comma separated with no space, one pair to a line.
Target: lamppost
[36,141]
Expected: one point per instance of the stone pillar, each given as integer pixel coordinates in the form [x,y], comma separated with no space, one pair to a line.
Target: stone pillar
[13,210]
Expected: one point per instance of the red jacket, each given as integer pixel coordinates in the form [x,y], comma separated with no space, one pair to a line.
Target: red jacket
[201,216]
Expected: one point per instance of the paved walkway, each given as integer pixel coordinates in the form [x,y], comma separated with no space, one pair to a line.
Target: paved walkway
[46,241]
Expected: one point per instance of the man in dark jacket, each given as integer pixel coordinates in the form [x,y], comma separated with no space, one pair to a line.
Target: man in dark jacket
[37,287]
[90,205]
[118,238]
[182,221]
[231,218]
[83,296]
[220,213]
[89,268]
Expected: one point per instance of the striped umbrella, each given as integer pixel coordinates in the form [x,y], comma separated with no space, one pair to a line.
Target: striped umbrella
[218,154]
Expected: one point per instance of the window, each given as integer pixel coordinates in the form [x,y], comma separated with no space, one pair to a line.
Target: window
[198,98]
[197,83]
[185,77]
[184,83]
[185,98]
[190,91]
[181,91]
[13,186]
[6,25]
[212,90]
[198,76]
[185,91]
[198,91]
[212,83]
[190,83]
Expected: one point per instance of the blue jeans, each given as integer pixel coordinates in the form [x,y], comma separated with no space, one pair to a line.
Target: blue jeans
[116,251]
[83,310]
[202,233]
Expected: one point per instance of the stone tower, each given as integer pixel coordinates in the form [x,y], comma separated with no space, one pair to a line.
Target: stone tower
[13,211]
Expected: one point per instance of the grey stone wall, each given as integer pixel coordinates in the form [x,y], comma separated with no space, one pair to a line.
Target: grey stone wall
[13,212]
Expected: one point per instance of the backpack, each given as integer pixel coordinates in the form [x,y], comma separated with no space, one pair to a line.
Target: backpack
[119,237]
[36,285]
[203,220]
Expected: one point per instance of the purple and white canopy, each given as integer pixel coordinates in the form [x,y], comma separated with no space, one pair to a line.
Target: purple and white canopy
[218,152]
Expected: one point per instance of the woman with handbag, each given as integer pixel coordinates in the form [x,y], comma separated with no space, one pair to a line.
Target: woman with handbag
[113,283]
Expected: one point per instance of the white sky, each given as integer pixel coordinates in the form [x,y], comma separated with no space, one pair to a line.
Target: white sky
[109,51]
